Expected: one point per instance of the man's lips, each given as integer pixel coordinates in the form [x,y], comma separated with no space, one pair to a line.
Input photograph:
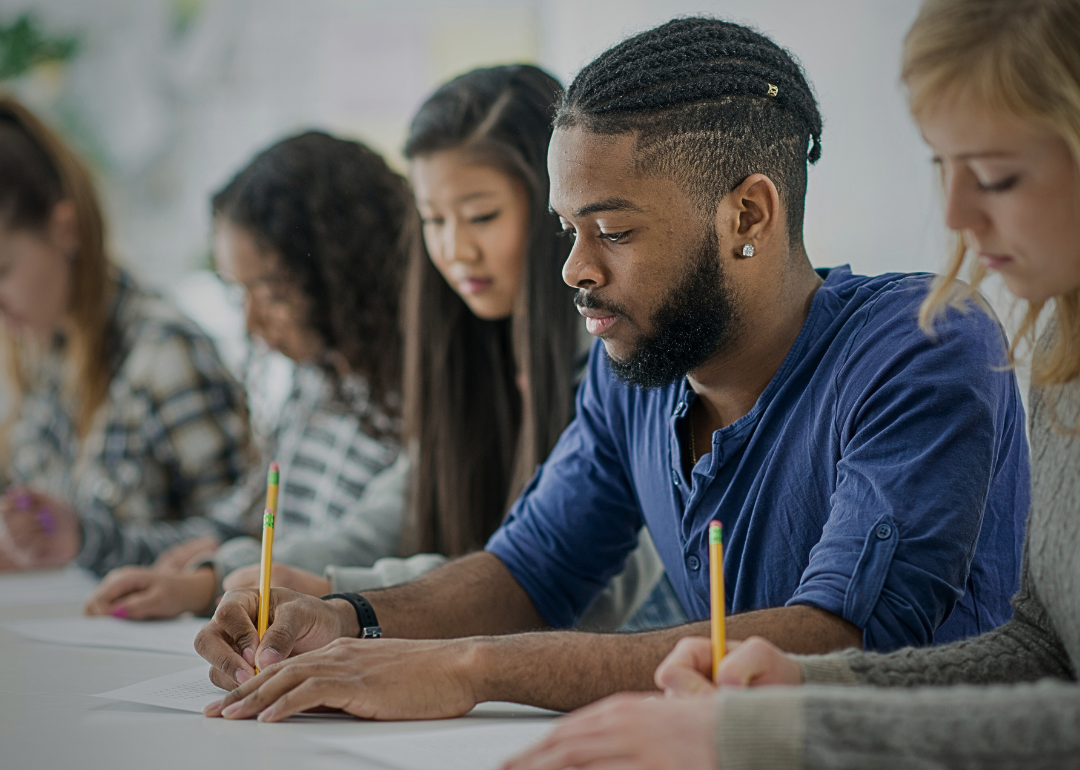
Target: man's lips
[597,321]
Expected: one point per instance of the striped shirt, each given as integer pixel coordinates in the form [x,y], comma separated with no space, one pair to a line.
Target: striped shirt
[169,438]
[330,442]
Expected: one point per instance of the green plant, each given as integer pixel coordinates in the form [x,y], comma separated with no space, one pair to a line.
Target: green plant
[24,45]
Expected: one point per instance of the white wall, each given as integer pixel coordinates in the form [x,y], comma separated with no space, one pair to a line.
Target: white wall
[169,111]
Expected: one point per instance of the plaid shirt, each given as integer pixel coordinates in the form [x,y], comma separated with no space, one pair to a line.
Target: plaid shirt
[169,438]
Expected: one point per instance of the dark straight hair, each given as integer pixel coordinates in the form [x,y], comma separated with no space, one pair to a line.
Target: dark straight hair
[476,436]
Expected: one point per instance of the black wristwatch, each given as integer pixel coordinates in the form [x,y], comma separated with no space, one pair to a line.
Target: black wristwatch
[365,615]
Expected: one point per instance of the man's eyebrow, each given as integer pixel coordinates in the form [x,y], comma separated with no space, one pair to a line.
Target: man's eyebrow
[608,204]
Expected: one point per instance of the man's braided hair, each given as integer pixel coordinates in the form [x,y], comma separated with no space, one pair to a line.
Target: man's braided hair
[712,103]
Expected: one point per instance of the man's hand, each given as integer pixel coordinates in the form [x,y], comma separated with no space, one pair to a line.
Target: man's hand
[180,555]
[369,678]
[629,732]
[687,671]
[298,624]
[42,531]
[142,593]
[281,576]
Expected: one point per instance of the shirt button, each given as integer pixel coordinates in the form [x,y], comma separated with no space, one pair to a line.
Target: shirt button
[675,478]
[694,563]
[883,532]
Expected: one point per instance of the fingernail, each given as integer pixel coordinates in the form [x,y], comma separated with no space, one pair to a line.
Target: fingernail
[269,657]
[242,676]
[233,709]
[211,708]
[265,714]
[119,612]
[46,521]
[249,655]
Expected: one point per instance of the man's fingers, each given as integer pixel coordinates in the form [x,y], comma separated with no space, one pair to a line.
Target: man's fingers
[288,621]
[309,694]
[224,682]
[218,650]
[229,640]
[263,691]
[687,670]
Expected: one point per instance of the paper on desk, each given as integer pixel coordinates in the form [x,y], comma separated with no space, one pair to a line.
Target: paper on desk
[176,636]
[189,690]
[452,748]
[46,587]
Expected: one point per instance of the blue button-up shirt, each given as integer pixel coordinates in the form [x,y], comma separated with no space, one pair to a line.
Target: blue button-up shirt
[882,475]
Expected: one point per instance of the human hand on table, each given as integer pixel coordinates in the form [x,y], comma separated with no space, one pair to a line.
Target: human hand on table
[141,593]
[281,576]
[368,678]
[298,624]
[42,531]
[180,555]
[629,731]
[687,670]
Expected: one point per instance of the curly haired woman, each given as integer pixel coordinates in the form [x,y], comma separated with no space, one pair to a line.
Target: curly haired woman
[317,233]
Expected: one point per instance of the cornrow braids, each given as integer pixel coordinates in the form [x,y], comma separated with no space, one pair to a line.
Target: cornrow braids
[712,102]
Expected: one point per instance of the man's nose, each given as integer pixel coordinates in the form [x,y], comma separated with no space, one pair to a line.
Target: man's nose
[582,270]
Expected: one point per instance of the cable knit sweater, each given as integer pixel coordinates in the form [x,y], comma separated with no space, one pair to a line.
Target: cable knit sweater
[1006,699]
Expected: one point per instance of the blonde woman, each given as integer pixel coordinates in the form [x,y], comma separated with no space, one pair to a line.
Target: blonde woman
[995,88]
[121,423]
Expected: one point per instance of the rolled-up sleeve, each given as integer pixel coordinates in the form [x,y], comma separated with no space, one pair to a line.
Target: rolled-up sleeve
[572,527]
[917,431]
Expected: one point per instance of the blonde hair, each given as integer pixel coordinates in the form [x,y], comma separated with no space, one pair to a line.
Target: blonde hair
[1020,58]
[52,173]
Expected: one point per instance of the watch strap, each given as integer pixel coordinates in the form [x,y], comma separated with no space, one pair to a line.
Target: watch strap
[365,614]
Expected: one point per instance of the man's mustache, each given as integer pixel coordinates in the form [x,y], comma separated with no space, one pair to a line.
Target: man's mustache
[588,300]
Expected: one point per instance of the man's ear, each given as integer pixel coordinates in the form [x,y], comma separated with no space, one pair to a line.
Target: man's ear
[749,215]
[63,227]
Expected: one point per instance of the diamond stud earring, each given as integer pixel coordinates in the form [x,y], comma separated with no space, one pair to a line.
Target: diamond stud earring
[748,250]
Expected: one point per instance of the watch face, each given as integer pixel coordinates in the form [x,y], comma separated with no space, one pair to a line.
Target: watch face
[372,632]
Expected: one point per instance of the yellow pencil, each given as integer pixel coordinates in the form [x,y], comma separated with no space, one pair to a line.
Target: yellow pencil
[716,591]
[267,549]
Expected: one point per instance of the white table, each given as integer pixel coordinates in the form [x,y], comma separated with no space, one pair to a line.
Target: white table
[49,721]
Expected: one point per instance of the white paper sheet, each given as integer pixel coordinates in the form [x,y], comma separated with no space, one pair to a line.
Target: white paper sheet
[175,636]
[452,748]
[189,690]
[47,587]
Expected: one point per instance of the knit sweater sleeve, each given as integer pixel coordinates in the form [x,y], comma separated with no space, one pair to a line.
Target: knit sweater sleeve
[1023,650]
[1005,727]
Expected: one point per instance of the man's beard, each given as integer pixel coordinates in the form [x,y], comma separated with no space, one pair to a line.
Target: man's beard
[696,320]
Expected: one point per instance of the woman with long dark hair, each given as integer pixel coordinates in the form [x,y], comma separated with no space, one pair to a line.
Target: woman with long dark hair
[494,345]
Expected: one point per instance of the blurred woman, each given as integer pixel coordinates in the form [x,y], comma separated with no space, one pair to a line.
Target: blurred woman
[995,87]
[315,233]
[494,345]
[121,423]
